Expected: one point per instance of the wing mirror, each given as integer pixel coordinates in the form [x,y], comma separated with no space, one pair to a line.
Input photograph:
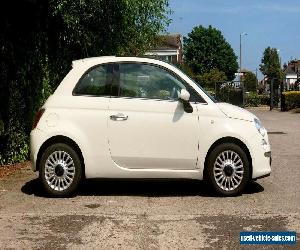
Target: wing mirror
[184,97]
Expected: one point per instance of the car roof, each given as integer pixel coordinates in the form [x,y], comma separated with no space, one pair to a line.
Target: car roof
[105,59]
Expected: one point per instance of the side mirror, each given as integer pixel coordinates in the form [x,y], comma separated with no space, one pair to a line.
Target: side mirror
[184,98]
[184,95]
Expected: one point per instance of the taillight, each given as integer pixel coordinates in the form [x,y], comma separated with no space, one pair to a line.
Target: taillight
[37,118]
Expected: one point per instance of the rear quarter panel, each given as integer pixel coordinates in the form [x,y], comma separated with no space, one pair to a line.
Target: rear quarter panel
[84,120]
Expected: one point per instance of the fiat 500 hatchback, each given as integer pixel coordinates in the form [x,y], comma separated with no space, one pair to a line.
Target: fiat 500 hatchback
[128,117]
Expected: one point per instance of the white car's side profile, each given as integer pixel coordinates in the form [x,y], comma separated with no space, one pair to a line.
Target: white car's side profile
[129,117]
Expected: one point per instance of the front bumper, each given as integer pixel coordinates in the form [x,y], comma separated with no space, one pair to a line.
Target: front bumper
[261,162]
[268,155]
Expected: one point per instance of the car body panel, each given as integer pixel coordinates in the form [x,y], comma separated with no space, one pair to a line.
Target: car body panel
[153,128]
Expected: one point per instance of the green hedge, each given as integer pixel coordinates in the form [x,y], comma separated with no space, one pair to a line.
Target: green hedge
[254,100]
[291,100]
[230,95]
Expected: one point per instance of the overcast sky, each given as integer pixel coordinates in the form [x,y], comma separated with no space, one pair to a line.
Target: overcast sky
[268,23]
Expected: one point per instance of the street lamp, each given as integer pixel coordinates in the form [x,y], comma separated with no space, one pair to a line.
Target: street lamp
[242,34]
[281,86]
[278,52]
[243,87]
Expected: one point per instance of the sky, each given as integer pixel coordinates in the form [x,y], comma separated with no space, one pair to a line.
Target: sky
[273,23]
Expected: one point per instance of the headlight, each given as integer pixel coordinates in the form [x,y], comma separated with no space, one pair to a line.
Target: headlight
[259,127]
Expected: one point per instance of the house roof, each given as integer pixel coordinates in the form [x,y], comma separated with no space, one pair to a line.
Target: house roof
[289,71]
[172,41]
[293,68]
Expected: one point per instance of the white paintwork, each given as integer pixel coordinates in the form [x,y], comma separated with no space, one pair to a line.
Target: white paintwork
[153,127]
[235,112]
[184,95]
[152,139]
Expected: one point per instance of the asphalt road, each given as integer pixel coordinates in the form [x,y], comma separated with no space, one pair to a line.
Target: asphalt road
[157,214]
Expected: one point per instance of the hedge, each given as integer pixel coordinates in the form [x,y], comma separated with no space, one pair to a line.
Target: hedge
[254,100]
[228,94]
[291,100]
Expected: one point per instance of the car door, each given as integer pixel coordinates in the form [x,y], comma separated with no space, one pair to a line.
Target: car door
[148,127]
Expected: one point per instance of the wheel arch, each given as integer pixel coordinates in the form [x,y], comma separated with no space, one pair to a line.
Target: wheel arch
[227,139]
[60,139]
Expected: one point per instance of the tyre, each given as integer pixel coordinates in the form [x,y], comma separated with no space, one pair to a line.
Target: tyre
[60,170]
[228,169]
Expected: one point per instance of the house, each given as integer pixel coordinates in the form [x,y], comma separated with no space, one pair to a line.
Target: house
[169,49]
[292,75]
[239,78]
[264,86]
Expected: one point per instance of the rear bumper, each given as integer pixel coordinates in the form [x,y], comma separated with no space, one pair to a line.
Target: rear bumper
[37,138]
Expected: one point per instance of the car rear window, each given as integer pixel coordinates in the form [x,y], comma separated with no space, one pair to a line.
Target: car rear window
[96,82]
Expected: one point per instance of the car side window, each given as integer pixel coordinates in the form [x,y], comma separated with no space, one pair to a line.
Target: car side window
[148,81]
[152,82]
[95,82]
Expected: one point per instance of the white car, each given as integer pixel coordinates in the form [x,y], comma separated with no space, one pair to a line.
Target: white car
[129,117]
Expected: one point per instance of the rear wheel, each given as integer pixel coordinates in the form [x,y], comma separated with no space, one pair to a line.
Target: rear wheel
[228,169]
[60,170]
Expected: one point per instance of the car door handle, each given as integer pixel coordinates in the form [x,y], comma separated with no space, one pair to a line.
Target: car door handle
[119,117]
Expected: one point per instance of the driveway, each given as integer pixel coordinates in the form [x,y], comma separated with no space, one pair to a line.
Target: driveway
[157,214]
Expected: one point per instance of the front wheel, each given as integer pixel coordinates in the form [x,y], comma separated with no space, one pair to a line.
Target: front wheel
[60,170]
[228,169]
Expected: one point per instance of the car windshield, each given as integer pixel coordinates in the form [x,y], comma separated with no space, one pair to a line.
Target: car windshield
[214,99]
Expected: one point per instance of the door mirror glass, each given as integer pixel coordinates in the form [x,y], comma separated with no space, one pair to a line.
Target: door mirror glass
[184,95]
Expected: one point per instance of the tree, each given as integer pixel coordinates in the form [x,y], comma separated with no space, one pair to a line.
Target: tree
[250,81]
[206,49]
[270,67]
[212,77]
[39,39]
[185,68]
[112,27]
[270,64]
